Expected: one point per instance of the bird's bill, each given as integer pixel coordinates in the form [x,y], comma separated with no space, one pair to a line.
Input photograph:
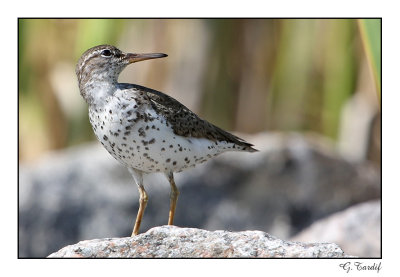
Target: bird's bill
[133,58]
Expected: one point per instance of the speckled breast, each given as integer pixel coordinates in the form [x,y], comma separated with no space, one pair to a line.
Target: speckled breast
[135,135]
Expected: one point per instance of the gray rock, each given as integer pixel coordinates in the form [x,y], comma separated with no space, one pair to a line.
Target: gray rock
[83,193]
[357,230]
[174,242]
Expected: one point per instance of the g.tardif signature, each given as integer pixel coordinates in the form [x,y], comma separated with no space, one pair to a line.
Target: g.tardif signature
[360,266]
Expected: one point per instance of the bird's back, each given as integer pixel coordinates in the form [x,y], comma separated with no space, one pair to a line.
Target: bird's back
[186,123]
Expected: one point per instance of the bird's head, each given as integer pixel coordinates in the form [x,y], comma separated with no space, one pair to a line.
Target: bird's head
[104,63]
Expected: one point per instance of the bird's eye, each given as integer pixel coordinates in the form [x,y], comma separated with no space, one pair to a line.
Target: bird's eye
[106,53]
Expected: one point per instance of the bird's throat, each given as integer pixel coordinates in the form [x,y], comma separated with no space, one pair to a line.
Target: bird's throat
[96,93]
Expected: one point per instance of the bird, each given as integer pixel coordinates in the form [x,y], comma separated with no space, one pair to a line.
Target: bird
[146,130]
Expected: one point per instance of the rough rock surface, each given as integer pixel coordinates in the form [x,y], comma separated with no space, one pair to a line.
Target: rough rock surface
[175,242]
[83,193]
[357,230]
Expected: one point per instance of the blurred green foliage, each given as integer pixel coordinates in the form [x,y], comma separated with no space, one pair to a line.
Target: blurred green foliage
[252,74]
[371,35]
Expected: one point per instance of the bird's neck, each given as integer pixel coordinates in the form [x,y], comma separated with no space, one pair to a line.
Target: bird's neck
[95,92]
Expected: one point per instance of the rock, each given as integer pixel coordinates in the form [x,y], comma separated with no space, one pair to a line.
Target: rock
[175,242]
[357,230]
[83,193]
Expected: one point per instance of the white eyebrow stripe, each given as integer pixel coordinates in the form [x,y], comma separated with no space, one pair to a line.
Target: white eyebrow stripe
[88,57]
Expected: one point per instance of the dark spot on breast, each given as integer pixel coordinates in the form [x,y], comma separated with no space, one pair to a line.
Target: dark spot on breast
[167,160]
[153,140]
[141,132]
[110,111]
[105,137]
[174,163]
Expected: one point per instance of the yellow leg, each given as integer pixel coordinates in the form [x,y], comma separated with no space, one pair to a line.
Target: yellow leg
[173,198]
[143,198]
[142,206]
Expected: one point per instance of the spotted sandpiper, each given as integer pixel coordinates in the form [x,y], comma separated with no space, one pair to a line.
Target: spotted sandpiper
[144,129]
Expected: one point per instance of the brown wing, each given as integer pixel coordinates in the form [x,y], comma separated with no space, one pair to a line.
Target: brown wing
[186,123]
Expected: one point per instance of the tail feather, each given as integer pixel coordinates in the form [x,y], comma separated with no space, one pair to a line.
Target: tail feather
[240,143]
